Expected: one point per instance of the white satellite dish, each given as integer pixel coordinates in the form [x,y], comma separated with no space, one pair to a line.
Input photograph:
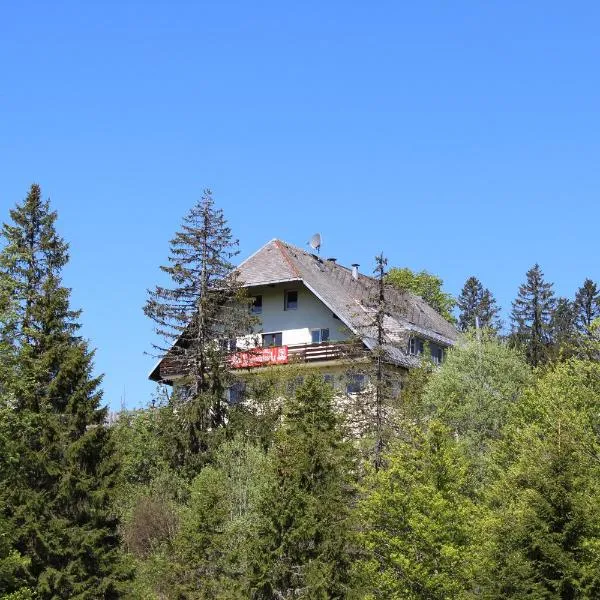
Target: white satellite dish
[315,242]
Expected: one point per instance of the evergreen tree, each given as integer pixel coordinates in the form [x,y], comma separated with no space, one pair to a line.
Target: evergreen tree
[57,498]
[532,315]
[303,547]
[587,305]
[197,316]
[542,537]
[417,520]
[563,328]
[474,302]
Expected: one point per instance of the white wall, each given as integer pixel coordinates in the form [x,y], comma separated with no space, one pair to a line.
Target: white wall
[295,325]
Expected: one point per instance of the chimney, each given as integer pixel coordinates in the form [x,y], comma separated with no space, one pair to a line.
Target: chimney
[355,270]
[331,260]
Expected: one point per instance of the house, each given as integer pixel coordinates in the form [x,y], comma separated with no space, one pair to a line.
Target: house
[311,308]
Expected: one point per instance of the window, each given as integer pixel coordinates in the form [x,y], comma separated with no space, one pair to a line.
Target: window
[415,346]
[356,383]
[257,305]
[290,300]
[319,335]
[228,345]
[235,393]
[437,354]
[329,379]
[271,339]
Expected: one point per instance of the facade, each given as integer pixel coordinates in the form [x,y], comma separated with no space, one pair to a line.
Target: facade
[316,313]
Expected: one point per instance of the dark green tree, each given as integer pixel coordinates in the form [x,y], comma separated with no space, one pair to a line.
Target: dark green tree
[57,500]
[304,543]
[196,317]
[532,317]
[564,331]
[476,302]
[587,305]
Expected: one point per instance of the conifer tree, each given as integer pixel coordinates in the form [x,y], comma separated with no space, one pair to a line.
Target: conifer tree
[416,520]
[303,548]
[198,314]
[476,302]
[563,328]
[542,536]
[57,499]
[532,316]
[587,305]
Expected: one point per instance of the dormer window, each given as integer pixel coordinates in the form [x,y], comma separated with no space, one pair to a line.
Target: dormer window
[437,354]
[257,305]
[290,301]
[415,346]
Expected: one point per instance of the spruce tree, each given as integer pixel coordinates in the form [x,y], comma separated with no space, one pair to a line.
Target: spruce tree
[196,316]
[563,328]
[532,317]
[476,302]
[587,305]
[304,544]
[57,498]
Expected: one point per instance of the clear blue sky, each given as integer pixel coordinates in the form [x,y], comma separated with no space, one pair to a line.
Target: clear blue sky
[458,137]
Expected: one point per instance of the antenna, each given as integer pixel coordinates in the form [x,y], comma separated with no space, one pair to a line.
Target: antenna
[315,242]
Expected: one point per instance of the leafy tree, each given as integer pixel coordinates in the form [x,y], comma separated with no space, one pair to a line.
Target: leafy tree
[221,524]
[303,548]
[542,539]
[417,521]
[474,302]
[204,305]
[532,317]
[57,500]
[473,391]
[587,305]
[425,285]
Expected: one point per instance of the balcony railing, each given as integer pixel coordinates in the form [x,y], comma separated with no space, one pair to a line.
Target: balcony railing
[172,367]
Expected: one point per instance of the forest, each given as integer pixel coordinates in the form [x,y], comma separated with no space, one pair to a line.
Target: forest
[476,478]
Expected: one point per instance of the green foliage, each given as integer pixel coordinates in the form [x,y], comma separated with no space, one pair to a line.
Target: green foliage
[475,302]
[543,534]
[303,548]
[416,520]
[474,389]
[587,306]
[532,317]
[425,285]
[57,497]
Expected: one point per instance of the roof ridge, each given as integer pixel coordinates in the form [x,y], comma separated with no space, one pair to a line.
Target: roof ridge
[281,245]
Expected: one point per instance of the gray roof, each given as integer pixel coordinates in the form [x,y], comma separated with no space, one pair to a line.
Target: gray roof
[352,300]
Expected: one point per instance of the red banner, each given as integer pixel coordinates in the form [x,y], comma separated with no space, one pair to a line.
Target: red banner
[258,357]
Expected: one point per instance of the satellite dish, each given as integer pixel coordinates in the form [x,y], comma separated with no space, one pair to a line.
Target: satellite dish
[315,242]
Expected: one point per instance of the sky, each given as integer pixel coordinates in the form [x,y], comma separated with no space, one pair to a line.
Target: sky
[458,137]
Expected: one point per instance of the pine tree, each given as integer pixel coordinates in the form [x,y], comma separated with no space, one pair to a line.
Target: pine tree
[204,308]
[57,500]
[474,303]
[532,315]
[303,548]
[587,305]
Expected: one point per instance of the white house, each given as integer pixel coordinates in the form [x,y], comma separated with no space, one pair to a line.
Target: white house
[309,308]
